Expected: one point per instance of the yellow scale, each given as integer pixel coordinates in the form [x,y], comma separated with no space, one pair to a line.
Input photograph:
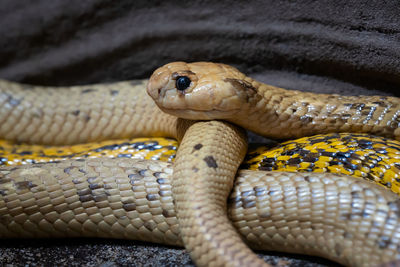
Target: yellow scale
[361,155]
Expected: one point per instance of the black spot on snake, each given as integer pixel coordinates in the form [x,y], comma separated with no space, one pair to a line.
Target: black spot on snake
[95,186]
[306,119]
[12,101]
[135,176]
[379,103]
[310,158]
[91,179]
[358,106]
[142,172]
[161,180]
[249,204]
[243,86]
[87,118]
[150,225]
[211,163]
[198,146]
[384,242]
[162,193]
[259,189]
[338,249]
[151,197]
[157,174]
[395,207]
[85,198]
[24,185]
[76,181]
[84,192]
[89,90]
[2,192]
[247,193]
[114,92]
[273,192]
[124,155]
[68,169]
[129,206]
[75,112]
[23,153]
[294,161]
[347,235]
[167,213]
[195,169]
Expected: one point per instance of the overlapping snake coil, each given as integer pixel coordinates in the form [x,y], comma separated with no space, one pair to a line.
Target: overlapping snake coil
[344,219]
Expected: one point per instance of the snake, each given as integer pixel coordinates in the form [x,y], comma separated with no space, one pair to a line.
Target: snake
[38,115]
[163,149]
[373,158]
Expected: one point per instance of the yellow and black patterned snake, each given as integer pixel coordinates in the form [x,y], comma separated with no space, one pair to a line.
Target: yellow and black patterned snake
[344,219]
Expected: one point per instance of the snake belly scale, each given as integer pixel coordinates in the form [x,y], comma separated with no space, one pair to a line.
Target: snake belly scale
[26,118]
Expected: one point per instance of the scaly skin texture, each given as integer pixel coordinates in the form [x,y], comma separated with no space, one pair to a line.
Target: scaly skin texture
[80,114]
[155,148]
[201,184]
[219,91]
[341,218]
[56,125]
[373,158]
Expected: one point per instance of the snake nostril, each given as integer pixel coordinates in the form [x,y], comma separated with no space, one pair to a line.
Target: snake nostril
[182,83]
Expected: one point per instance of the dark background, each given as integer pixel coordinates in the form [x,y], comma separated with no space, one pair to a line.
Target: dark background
[349,47]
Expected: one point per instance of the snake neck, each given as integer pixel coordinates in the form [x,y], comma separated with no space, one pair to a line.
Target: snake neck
[279,113]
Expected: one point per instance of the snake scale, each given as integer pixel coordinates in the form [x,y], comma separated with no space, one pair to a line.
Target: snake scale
[341,218]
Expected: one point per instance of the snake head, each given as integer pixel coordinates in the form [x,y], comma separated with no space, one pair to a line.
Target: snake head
[200,90]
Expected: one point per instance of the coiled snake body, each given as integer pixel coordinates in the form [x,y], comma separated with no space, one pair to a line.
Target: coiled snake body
[343,219]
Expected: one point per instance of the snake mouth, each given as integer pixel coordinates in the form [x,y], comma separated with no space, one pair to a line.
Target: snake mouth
[192,114]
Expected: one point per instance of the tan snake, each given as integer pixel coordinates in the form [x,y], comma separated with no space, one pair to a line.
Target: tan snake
[73,113]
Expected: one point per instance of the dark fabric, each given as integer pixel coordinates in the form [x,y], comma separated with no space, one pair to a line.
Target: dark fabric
[349,47]
[332,46]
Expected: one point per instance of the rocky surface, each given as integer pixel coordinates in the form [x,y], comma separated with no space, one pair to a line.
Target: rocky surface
[349,47]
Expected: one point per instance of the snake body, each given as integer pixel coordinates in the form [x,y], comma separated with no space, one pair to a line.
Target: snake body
[80,114]
[373,158]
[219,91]
[80,119]
[132,199]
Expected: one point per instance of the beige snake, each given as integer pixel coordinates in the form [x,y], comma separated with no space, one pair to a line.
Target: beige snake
[119,111]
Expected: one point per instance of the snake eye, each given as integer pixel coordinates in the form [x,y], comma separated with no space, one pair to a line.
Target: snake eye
[182,82]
